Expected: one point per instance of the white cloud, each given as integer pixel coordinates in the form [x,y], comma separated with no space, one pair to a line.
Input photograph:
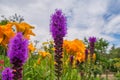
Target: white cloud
[113,26]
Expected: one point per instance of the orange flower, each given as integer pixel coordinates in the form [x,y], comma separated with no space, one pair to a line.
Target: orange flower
[25,28]
[80,45]
[6,33]
[80,57]
[72,47]
[31,47]
[1,34]
[75,48]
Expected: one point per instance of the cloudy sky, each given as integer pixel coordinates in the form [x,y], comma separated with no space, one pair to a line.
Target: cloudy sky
[100,18]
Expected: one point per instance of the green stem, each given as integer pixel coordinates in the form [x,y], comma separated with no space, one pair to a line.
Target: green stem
[89,74]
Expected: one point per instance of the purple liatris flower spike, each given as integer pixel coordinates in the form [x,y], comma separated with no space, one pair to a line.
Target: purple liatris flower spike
[58,30]
[7,74]
[58,24]
[71,59]
[92,41]
[86,54]
[18,53]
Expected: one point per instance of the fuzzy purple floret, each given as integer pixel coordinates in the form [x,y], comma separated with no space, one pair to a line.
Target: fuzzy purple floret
[92,39]
[18,50]
[7,74]
[58,24]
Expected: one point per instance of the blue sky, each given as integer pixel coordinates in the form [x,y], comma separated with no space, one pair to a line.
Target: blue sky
[100,18]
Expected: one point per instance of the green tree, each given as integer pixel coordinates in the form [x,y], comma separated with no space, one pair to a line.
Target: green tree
[115,52]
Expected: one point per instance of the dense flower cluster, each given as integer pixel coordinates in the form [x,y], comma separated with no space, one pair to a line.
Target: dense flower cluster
[11,28]
[58,24]
[92,41]
[18,50]
[58,28]
[75,48]
[18,53]
[7,74]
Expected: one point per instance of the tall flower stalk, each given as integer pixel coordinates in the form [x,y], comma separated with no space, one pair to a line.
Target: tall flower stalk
[86,55]
[92,41]
[18,53]
[7,74]
[58,29]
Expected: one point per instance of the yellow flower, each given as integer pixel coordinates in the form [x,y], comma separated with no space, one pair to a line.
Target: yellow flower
[44,43]
[55,63]
[43,54]
[51,42]
[117,64]
[94,56]
[53,49]
[35,65]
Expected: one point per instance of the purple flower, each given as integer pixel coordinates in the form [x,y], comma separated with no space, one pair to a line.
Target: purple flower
[58,28]
[18,53]
[86,54]
[92,41]
[58,24]
[18,50]
[71,59]
[7,74]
